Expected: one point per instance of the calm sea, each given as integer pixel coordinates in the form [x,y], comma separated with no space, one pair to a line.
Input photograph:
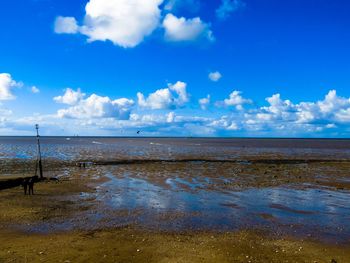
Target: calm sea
[98,148]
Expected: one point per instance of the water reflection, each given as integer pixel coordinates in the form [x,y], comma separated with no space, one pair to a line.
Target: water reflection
[316,212]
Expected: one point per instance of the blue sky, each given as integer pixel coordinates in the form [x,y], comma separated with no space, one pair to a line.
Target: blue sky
[113,67]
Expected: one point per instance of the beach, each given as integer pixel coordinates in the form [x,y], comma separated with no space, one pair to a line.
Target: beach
[177,200]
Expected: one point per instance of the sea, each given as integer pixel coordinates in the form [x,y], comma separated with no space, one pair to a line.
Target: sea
[129,148]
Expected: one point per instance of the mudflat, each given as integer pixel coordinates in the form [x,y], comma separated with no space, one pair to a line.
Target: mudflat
[255,208]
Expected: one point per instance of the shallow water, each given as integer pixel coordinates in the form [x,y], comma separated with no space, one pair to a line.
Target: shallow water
[317,213]
[96,148]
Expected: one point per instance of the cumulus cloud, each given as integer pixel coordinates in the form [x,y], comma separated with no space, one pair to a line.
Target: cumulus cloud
[235,100]
[227,7]
[278,109]
[6,86]
[215,76]
[204,102]
[174,96]
[124,22]
[127,23]
[94,114]
[280,117]
[35,90]
[170,117]
[93,107]
[224,123]
[303,117]
[70,97]
[190,5]
[66,25]
[283,117]
[182,29]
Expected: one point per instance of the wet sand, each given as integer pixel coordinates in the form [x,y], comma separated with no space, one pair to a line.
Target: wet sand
[112,214]
[224,210]
[134,245]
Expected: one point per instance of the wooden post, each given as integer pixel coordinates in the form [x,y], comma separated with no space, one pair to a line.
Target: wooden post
[38,161]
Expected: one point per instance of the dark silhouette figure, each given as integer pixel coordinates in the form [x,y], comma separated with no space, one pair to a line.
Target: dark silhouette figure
[138,132]
[31,185]
[28,185]
[25,185]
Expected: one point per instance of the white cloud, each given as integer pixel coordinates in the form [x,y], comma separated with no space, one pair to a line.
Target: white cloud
[4,112]
[278,109]
[227,7]
[70,97]
[170,5]
[6,86]
[98,107]
[284,118]
[332,102]
[182,29]
[100,115]
[235,99]
[190,5]
[343,115]
[215,76]
[127,23]
[170,117]
[225,123]
[66,25]
[331,126]
[304,117]
[172,97]
[124,22]
[204,102]
[161,99]
[35,90]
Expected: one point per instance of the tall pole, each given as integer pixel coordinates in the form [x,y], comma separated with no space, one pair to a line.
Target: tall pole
[39,152]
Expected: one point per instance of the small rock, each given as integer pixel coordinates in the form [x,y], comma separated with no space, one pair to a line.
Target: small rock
[138,250]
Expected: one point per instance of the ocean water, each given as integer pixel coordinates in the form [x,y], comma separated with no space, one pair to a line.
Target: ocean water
[97,148]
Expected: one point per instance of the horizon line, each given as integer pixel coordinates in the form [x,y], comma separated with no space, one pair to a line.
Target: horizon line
[178,137]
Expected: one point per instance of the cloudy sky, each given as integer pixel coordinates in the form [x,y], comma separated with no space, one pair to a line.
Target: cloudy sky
[266,68]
